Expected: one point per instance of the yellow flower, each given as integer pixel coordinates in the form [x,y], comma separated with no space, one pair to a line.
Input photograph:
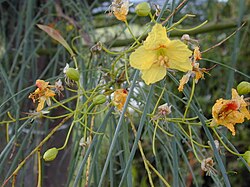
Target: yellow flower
[159,53]
[42,93]
[229,112]
[120,9]
[120,97]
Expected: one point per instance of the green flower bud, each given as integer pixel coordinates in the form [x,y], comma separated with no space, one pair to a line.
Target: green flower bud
[143,9]
[100,99]
[243,88]
[50,154]
[246,156]
[73,74]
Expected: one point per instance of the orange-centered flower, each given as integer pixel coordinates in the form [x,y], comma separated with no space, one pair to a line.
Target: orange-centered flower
[229,112]
[159,53]
[120,97]
[42,93]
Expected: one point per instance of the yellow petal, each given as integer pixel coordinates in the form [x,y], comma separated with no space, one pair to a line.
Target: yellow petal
[245,112]
[48,101]
[235,94]
[157,38]
[154,74]
[230,126]
[41,84]
[49,93]
[243,104]
[197,54]
[178,55]
[230,120]
[142,59]
[40,104]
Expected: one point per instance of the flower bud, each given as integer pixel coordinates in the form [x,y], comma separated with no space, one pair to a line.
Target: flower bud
[246,156]
[142,9]
[73,74]
[185,37]
[243,88]
[50,154]
[99,99]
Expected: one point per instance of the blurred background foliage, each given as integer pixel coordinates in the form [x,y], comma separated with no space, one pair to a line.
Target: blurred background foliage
[27,54]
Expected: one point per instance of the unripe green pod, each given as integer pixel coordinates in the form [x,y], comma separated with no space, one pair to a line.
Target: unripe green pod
[73,74]
[99,99]
[243,88]
[143,9]
[50,154]
[246,156]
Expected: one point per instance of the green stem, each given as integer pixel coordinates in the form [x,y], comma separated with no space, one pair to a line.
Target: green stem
[204,146]
[158,174]
[67,137]
[130,31]
[142,153]
[179,22]
[158,101]
[192,29]
[39,180]
[62,105]
[75,61]
[192,143]
[229,150]
[20,165]
[73,123]
[111,52]
[190,99]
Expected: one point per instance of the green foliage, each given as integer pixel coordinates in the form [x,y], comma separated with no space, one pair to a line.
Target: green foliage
[106,126]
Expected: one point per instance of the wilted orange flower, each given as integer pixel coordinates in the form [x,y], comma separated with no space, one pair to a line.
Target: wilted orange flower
[207,165]
[197,72]
[120,97]
[185,78]
[42,93]
[120,9]
[197,54]
[229,112]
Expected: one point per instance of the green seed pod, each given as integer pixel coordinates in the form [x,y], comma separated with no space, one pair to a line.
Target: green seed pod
[73,74]
[143,9]
[99,99]
[243,88]
[246,156]
[50,154]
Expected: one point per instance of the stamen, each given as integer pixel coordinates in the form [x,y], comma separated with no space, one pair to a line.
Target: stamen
[163,61]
